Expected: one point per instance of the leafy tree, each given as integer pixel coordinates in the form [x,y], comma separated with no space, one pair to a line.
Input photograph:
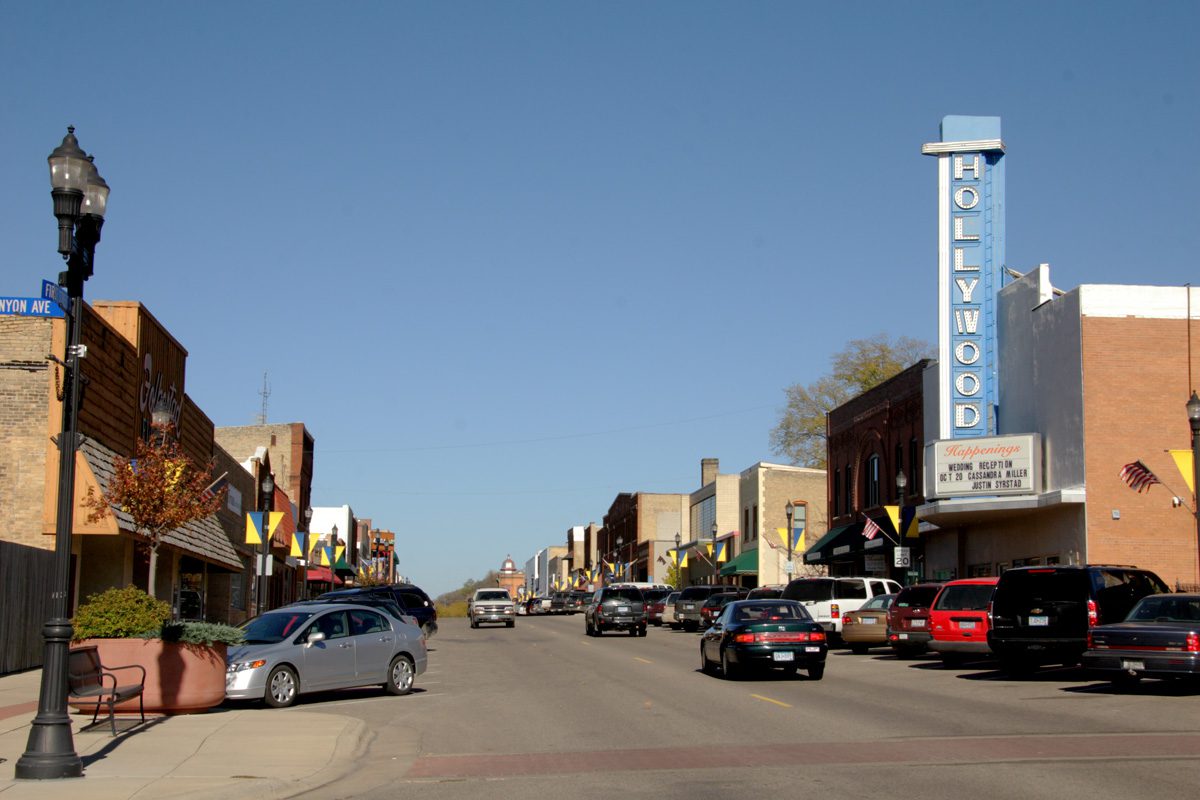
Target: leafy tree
[673,576]
[862,364]
[161,488]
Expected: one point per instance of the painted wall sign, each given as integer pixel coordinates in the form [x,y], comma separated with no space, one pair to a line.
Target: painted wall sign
[970,272]
[989,466]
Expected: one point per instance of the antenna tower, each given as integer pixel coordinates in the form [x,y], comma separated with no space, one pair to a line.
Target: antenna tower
[265,392]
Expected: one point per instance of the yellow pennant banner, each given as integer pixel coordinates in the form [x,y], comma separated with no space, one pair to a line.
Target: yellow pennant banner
[1183,460]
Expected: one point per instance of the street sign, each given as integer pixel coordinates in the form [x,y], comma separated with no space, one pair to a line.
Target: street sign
[52,291]
[789,567]
[28,307]
[902,556]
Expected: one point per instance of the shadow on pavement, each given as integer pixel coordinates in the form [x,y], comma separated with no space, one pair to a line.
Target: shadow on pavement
[124,733]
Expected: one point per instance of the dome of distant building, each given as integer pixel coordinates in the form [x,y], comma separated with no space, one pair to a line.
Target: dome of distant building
[508,565]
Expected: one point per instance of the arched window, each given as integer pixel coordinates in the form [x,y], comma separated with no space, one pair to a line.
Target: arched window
[872,482]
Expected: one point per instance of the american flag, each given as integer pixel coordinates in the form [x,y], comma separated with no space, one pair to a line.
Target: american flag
[870,529]
[1138,476]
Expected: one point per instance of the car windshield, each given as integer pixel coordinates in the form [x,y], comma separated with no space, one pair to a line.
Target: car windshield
[809,590]
[275,626]
[966,597]
[769,612]
[718,600]
[1167,608]
[624,594]
[672,597]
[493,595]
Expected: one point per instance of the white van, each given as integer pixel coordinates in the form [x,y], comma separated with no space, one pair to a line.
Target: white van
[827,599]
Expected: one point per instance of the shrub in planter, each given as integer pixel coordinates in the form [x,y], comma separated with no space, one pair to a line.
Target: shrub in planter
[120,614]
[184,661]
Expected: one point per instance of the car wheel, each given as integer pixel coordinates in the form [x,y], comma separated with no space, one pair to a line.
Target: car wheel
[728,669]
[952,660]
[816,672]
[633,631]
[642,631]
[509,624]
[1125,681]
[705,667]
[690,626]
[473,625]
[400,675]
[858,649]
[1016,667]
[598,630]
[282,687]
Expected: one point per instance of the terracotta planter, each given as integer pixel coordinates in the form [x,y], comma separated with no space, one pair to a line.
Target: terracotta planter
[180,678]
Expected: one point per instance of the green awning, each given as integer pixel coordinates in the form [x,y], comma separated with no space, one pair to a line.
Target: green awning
[835,537]
[745,563]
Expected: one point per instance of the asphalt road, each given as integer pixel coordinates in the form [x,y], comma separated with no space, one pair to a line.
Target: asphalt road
[542,710]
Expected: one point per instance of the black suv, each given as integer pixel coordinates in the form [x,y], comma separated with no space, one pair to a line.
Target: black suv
[409,597]
[1042,615]
[619,608]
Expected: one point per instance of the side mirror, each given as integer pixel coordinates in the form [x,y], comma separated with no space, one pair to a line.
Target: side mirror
[314,637]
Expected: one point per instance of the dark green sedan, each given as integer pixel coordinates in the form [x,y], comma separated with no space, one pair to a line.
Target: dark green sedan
[764,634]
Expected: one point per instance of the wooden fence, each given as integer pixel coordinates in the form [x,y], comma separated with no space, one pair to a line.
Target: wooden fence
[26,574]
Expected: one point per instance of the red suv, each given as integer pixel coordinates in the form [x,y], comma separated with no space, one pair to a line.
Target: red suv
[908,618]
[958,619]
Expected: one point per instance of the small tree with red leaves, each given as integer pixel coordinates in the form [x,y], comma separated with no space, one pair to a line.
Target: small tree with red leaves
[161,488]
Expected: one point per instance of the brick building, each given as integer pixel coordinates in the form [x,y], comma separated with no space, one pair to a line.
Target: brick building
[1101,375]
[873,438]
[638,531]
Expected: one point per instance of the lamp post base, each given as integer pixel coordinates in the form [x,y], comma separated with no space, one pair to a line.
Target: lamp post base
[50,753]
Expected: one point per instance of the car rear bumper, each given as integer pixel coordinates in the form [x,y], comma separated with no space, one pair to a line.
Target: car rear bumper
[1045,650]
[905,638]
[972,646]
[764,656]
[1150,664]
[623,623]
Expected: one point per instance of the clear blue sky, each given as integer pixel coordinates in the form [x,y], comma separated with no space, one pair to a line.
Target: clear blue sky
[506,260]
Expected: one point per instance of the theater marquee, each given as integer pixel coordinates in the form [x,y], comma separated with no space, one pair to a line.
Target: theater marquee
[995,465]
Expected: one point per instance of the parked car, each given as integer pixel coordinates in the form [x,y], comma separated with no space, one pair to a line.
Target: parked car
[381,601]
[690,601]
[558,603]
[908,618]
[657,610]
[867,627]
[1042,615]
[619,608]
[411,598]
[491,605]
[577,600]
[764,634]
[713,605]
[765,592]
[669,617]
[1159,639]
[315,647]
[827,599]
[654,599]
[958,619]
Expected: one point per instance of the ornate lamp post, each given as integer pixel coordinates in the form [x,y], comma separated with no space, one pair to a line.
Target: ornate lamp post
[617,557]
[307,547]
[1193,411]
[713,551]
[268,505]
[789,510]
[80,201]
[678,544]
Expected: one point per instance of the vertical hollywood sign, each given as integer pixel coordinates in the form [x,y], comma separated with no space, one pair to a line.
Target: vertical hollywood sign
[970,259]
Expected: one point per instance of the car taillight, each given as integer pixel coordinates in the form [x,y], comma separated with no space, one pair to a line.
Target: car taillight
[1093,615]
[744,638]
[1090,642]
[771,637]
[834,610]
[845,619]
[1193,643]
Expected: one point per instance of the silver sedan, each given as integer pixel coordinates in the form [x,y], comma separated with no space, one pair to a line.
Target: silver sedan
[310,648]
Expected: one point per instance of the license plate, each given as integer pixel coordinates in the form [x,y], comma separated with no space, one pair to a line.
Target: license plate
[902,635]
[966,626]
[916,623]
[1135,665]
[1040,620]
[868,620]
[688,607]
[783,656]
[812,649]
[622,609]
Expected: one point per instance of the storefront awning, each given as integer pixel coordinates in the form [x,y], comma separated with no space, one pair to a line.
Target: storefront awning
[323,575]
[745,563]
[204,539]
[842,541]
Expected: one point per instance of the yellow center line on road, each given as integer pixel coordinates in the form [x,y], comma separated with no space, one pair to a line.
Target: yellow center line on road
[643,660]
[769,700]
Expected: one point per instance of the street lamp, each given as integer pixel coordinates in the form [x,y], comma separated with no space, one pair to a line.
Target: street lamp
[901,484]
[268,505]
[80,200]
[307,547]
[1193,410]
[713,553]
[617,556]
[678,544]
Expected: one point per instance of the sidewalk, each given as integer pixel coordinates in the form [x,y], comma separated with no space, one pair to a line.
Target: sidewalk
[244,752]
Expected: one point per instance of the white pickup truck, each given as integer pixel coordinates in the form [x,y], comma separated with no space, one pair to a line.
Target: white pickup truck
[491,605]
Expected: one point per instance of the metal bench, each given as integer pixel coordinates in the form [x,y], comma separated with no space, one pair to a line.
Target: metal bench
[89,681]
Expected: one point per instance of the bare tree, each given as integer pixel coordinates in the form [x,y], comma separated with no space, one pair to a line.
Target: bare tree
[860,365]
